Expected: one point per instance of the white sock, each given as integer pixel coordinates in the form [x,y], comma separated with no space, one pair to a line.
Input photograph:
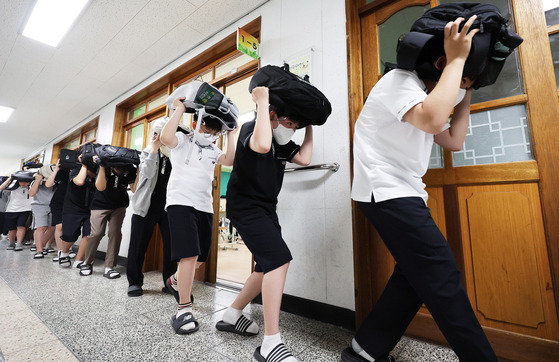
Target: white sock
[182,310]
[63,254]
[107,269]
[174,282]
[76,262]
[232,315]
[360,351]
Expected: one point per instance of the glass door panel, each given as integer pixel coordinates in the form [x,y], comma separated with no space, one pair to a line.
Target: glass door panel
[234,260]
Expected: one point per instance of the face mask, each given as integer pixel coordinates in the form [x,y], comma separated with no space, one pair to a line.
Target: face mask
[461,95]
[282,134]
[204,139]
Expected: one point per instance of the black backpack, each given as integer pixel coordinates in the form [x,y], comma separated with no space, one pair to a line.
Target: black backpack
[68,159]
[112,156]
[293,95]
[490,46]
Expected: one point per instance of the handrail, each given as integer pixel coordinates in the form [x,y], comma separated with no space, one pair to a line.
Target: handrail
[323,166]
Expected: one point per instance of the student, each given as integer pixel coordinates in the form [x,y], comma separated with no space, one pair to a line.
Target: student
[76,212]
[189,201]
[403,115]
[59,181]
[3,205]
[148,202]
[18,211]
[108,206]
[41,196]
[263,149]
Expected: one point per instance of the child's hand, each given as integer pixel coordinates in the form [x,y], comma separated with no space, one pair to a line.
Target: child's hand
[177,103]
[457,44]
[233,132]
[57,167]
[155,142]
[260,94]
[38,176]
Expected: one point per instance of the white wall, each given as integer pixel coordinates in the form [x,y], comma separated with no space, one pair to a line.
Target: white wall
[314,206]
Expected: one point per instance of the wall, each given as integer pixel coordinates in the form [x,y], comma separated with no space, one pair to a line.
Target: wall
[314,206]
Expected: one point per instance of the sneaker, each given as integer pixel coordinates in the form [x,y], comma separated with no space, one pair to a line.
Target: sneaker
[11,246]
[64,261]
[34,247]
[18,247]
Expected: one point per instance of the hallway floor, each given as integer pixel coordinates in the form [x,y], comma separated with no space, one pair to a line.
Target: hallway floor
[53,314]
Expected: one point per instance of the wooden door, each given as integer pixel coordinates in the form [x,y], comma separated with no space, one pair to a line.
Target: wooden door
[495,200]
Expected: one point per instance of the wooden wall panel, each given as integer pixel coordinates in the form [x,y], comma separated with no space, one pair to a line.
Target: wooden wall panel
[505,258]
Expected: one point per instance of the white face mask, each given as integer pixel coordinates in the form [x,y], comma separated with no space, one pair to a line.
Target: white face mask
[461,95]
[205,139]
[282,134]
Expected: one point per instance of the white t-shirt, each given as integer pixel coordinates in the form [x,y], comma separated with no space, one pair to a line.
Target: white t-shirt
[191,184]
[19,200]
[390,155]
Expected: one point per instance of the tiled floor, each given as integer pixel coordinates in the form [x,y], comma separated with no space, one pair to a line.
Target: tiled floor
[53,314]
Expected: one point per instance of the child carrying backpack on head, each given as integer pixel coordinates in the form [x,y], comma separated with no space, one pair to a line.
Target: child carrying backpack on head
[189,196]
[41,195]
[108,207]
[76,212]
[405,112]
[18,211]
[148,202]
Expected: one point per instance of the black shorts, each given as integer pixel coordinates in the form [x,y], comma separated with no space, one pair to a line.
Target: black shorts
[16,219]
[56,217]
[261,233]
[74,225]
[191,232]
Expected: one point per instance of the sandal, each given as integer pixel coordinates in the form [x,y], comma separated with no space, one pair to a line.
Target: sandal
[279,353]
[50,250]
[349,355]
[185,318]
[174,292]
[33,247]
[239,328]
[38,255]
[86,270]
[64,261]
[111,274]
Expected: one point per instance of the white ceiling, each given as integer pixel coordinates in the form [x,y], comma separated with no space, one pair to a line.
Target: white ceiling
[113,46]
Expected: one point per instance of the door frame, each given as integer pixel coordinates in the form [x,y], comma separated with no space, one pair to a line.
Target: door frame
[372,267]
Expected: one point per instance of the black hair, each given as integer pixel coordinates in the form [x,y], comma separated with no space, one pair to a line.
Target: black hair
[292,117]
[212,123]
[425,67]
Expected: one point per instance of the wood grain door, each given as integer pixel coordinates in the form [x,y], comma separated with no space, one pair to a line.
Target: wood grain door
[496,199]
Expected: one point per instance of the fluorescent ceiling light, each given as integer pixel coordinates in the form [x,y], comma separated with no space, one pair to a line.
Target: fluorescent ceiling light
[5,113]
[51,20]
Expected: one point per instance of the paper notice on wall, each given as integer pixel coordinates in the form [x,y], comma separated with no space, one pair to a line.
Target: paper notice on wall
[301,66]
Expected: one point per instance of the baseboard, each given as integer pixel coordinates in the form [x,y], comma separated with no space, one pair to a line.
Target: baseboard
[316,310]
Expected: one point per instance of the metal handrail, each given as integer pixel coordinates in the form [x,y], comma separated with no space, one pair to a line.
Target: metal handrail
[323,166]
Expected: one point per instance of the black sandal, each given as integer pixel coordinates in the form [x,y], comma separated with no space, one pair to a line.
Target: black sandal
[185,318]
[112,274]
[239,328]
[279,353]
[86,270]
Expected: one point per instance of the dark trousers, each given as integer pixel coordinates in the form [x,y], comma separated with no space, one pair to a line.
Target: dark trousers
[3,223]
[140,235]
[426,272]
